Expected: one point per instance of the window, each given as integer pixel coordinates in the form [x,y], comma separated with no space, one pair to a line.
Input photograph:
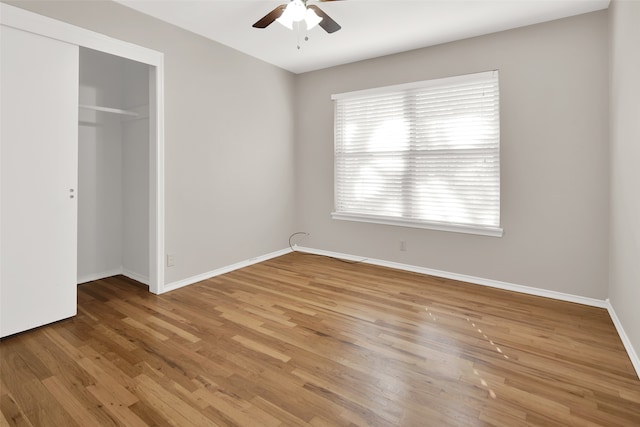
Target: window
[424,154]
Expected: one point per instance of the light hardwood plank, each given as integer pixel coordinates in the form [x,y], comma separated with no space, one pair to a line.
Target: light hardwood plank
[302,340]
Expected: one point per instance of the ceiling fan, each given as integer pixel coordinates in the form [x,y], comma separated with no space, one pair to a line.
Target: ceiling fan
[297,11]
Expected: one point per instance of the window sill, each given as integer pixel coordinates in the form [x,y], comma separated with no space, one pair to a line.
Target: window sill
[439,226]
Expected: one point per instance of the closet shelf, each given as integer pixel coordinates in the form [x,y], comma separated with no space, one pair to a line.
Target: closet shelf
[109,110]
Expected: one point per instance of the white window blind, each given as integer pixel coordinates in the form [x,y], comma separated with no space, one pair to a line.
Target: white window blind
[425,154]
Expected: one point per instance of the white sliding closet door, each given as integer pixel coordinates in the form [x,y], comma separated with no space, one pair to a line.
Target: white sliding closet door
[39,166]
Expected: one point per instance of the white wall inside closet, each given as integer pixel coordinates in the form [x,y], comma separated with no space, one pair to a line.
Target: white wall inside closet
[113,167]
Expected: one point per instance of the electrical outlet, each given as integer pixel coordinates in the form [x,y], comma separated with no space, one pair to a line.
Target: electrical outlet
[403,245]
[171,260]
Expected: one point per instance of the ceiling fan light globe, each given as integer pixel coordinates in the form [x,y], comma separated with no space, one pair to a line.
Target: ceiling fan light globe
[312,19]
[297,10]
[285,18]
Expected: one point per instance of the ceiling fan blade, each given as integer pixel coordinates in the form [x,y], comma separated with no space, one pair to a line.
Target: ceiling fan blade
[329,25]
[270,17]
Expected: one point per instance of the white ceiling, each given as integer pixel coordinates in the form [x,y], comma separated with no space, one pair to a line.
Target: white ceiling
[370,28]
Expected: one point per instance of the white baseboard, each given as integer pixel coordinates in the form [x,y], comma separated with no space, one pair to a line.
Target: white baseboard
[593,302]
[135,276]
[98,276]
[103,275]
[464,278]
[222,270]
[635,360]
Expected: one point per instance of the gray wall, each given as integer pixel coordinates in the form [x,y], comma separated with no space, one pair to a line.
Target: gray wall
[554,158]
[230,188]
[228,139]
[624,285]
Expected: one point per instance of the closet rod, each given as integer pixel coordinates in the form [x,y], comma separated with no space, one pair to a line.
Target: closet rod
[109,110]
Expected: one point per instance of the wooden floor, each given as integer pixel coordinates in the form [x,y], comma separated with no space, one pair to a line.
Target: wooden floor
[302,340]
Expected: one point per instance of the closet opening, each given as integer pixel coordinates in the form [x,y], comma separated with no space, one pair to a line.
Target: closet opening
[114,167]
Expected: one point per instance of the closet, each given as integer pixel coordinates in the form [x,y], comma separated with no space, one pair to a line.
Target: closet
[113,167]
[81,167]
